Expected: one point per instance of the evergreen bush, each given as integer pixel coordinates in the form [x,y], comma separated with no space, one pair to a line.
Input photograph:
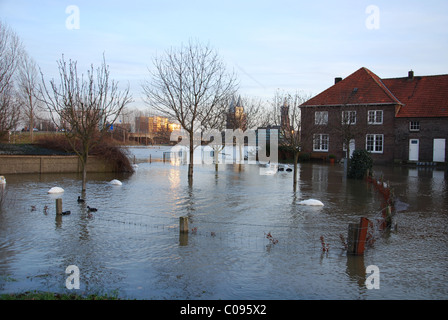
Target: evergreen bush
[360,162]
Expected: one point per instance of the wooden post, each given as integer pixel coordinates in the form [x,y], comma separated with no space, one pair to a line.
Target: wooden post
[357,236]
[59,206]
[352,239]
[388,216]
[183,224]
[362,235]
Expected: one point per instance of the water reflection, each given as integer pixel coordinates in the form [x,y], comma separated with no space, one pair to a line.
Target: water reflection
[132,244]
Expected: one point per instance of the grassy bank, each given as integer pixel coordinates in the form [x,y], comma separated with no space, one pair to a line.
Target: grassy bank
[37,295]
[57,144]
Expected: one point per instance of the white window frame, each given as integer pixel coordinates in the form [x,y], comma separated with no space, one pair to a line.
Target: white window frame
[321,117]
[414,126]
[323,142]
[373,115]
[373,144]
[348,117]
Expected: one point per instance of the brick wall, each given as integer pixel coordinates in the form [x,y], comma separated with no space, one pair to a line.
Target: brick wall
[10,164]
[337,131]
[430,129]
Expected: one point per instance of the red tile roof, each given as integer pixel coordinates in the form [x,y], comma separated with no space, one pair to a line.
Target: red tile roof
[361,87]
[425,96]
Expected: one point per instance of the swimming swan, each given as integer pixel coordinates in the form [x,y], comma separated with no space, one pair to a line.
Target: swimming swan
[311,202]
[116,182]
[56,190]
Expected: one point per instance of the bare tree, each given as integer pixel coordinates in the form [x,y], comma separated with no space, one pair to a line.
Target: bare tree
[28,89]
[256,111]
[188,84]
[10,52]
[287,116]
[86,105]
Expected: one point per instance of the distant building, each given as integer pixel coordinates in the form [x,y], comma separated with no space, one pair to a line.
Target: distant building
[154,124]
[285,123]
[236,118]
[398,119]
[156,128]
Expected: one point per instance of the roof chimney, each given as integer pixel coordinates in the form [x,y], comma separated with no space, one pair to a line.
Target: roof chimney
[336,80]
[411,75]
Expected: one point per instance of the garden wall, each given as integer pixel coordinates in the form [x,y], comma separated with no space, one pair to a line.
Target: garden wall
[10,164]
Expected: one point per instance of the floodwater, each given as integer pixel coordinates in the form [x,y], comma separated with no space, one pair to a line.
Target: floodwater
[131,246]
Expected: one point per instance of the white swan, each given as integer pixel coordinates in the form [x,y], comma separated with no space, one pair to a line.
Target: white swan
[268,170]
[116,182]
[2,180]
[311,202]
[56,190]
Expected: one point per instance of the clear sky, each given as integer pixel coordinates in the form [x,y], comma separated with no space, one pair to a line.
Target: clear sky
[270,44]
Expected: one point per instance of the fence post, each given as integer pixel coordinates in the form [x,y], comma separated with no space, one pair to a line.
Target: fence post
[183,224]
[352,238]
[362,235]
[357,236]
[388,216]
[59,206]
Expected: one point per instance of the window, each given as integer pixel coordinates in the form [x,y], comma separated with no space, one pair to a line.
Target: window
[320,142]
[375,117]
[414,126]
[374,143]
[321,117]
[348,117]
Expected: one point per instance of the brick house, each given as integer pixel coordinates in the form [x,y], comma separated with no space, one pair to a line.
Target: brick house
[421,124]
[383,116]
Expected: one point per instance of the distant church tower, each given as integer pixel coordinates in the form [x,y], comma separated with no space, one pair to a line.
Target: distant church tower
[236,118]
[284,117]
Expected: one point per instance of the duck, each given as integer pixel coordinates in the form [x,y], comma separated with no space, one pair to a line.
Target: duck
[80,200]
[311,202]
[92,209]
[65,213]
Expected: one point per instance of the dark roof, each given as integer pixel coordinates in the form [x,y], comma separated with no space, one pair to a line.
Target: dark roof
[423,96]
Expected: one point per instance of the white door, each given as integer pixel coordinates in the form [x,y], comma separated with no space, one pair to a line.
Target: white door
[352,147]
[413,149]
[439,150]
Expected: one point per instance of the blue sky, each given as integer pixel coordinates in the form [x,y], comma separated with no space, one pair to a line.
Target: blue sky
[270,44]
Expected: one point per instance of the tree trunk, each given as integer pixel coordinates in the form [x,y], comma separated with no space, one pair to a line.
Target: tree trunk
[347,164]
[190,164]
[84,172]
[296,160]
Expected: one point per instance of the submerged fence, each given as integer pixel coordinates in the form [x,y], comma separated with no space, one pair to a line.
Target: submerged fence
[364,234]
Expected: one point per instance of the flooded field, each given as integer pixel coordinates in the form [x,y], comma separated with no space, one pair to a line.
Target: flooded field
[132,246]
